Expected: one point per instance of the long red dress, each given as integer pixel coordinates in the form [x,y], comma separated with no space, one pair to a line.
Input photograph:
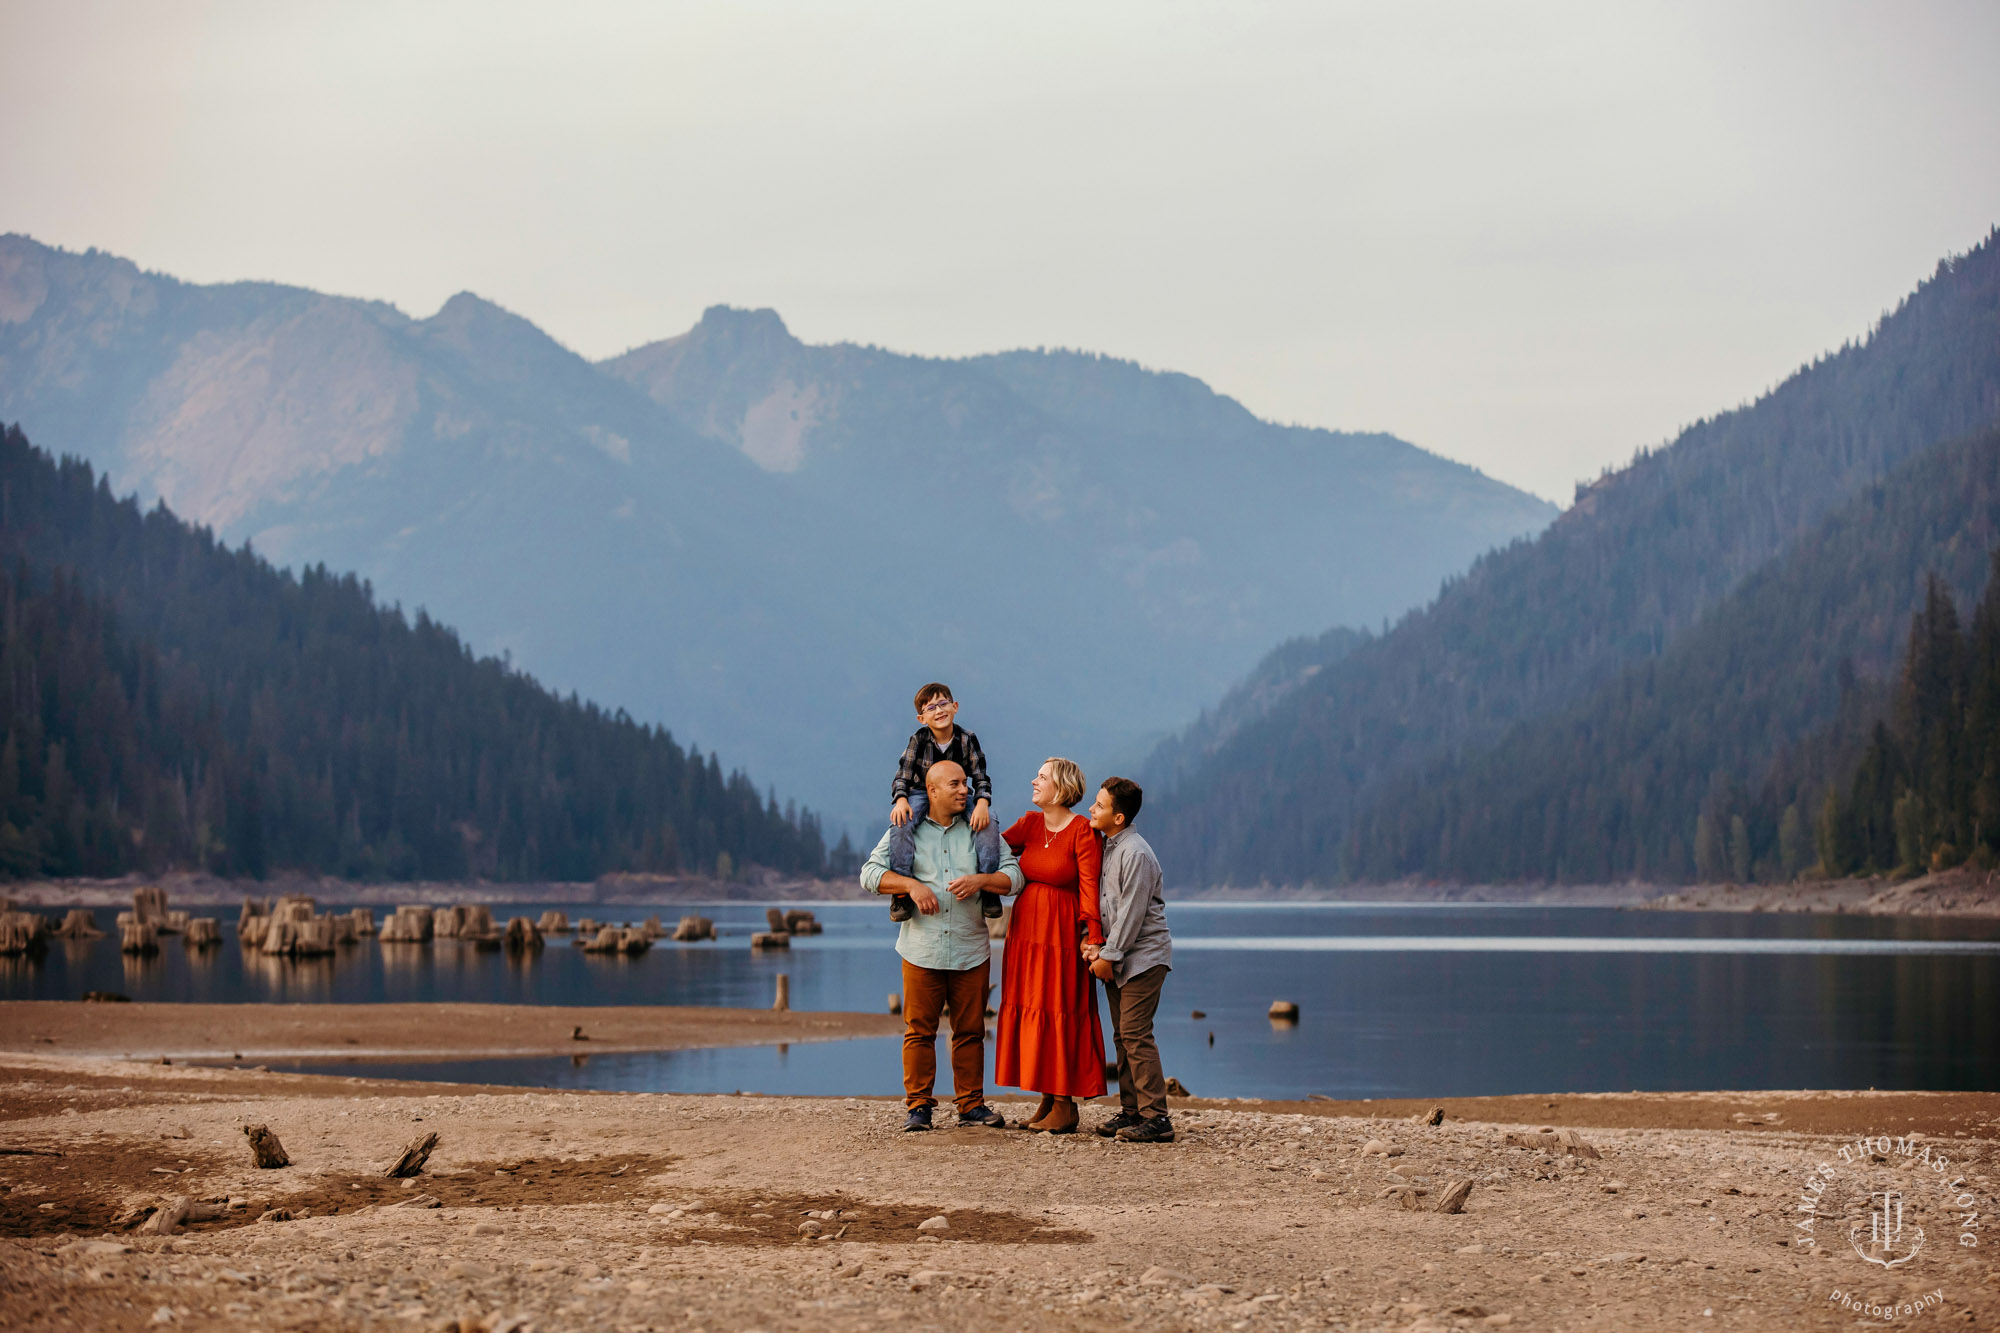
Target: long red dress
[1048,1038]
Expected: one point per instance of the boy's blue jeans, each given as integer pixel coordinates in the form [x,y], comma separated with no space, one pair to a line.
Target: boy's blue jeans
[903,840]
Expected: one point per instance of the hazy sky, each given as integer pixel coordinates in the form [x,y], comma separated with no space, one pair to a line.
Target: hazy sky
[1529,236]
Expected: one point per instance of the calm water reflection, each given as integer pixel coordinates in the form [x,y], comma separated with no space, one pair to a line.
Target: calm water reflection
[1428,1001]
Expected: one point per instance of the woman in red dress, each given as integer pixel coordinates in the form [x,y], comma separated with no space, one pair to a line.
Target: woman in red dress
[1048,1038]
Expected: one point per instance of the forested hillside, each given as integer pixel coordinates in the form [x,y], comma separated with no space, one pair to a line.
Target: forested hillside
[1711,759]
[1530,631]
[1926,793]
[169,702]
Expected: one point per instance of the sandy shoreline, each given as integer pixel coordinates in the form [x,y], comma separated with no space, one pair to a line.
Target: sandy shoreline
[415,1031]
[647,1211]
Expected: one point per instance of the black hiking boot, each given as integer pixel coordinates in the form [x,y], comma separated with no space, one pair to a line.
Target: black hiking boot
[920,1118]
[901,908]
[982,1115]
[989,905]
[1123,1120]
[1152,1129]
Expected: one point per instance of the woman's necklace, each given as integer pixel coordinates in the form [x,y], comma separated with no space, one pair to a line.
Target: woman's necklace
[1049,834]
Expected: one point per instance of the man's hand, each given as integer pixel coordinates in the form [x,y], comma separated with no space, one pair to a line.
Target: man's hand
[965,886]
[982,815]
[899,813]
[1101,969]
[926,901]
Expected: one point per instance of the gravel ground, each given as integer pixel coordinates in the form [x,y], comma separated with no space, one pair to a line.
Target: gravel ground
[550,1210]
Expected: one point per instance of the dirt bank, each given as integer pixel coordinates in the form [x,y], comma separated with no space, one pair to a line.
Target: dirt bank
[616,1210]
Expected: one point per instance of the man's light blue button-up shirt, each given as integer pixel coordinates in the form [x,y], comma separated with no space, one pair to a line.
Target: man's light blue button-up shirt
[955,938]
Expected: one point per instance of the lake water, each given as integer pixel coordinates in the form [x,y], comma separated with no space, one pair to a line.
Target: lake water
[1397,1000]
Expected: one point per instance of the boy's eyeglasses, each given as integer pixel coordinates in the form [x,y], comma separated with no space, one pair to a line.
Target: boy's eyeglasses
[937,705]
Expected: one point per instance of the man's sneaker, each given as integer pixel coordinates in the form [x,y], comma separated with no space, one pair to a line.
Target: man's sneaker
[901,908]
[1123,1120]
[1152,1129]
[920,1118]
[983,1115]
[989,905]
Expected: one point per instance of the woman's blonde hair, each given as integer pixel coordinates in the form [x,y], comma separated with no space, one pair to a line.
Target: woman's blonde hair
[1067,777]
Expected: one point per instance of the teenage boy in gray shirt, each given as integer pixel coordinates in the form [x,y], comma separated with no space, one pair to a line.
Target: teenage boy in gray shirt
[1133,962]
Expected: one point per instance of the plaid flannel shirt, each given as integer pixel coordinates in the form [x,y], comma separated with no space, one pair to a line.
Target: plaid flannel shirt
[923,751]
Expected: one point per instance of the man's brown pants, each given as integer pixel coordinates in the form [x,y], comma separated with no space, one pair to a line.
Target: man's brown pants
[927,992]
[1142,1084]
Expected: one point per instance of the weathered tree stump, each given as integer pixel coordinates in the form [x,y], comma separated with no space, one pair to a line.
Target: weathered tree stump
[769,939]
[265,1148]
[1283,1011]
[202,932]
[1454,1197]
[694,928]
[783,1000]
[78,924]
[1433,1117]
[776,920]
[138,937]
[408,924]
[522,935]
[413,1158]
[149,903]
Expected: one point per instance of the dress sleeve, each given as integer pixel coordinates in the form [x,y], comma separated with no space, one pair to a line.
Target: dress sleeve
[1017,834]
[1089,859]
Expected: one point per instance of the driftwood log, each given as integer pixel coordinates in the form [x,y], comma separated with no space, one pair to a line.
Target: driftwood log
[413,1158]
[265,1148]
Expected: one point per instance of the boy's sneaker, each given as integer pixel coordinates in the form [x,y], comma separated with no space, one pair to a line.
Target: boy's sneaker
[901,908]
[920,1118]
[1152,1129]
[983,1115]
[1123,1120]
[989,905]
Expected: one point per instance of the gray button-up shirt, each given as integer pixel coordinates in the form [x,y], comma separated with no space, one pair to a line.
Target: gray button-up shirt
[955,938]
[1135,917]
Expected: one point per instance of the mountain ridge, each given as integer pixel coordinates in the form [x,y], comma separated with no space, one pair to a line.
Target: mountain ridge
[744,562]
[1634,563]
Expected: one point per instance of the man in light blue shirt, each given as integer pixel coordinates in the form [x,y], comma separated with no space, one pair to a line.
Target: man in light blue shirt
[945,948]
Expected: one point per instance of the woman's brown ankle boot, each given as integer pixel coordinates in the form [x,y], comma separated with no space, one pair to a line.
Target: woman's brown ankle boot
[1042,1111]
[1063,1119]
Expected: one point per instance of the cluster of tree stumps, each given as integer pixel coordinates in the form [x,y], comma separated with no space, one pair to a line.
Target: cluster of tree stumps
[291,926]
[139,930]
[784,925]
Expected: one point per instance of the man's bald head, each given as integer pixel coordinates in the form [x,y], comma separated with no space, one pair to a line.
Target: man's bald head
[947,788]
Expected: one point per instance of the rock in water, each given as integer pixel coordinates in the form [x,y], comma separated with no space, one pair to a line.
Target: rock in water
[1283,1011]
[265,1148]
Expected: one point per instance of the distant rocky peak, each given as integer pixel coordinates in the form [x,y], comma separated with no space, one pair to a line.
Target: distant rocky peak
[492,337]
[738,376]
[748,330]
